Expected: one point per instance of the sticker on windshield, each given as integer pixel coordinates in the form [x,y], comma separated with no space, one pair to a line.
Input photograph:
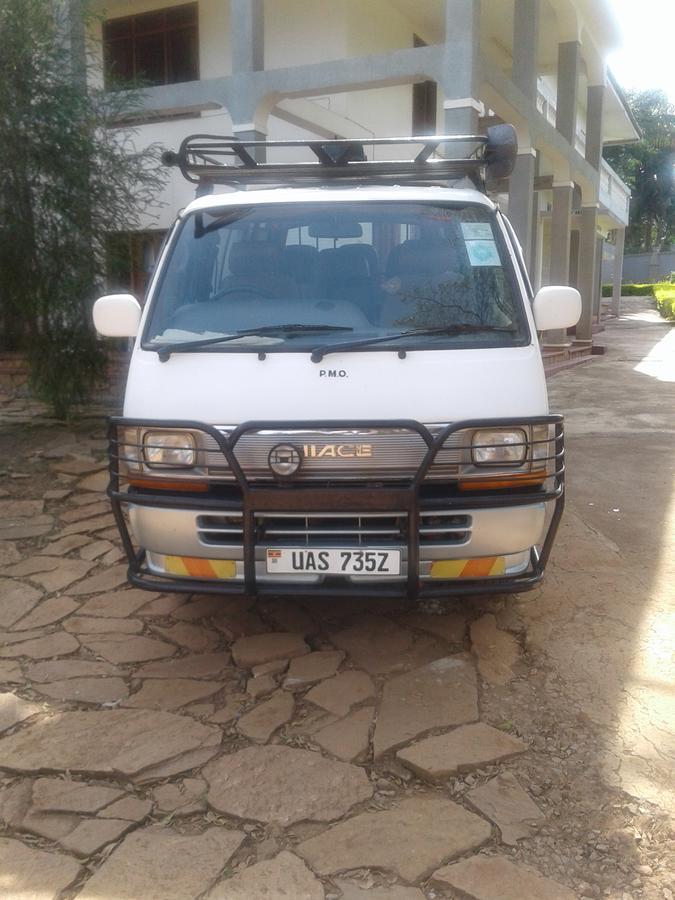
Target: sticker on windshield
[483,253]
[477,231]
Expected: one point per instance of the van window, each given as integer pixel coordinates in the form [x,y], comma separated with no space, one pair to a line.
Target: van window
[373,269]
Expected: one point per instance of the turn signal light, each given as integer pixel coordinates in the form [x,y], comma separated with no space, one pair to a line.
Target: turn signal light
[527,479]
[160,484]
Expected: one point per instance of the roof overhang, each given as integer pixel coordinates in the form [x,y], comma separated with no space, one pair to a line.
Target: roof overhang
[619,125]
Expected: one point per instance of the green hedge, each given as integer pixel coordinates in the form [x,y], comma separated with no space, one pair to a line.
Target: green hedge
[663,292]
[665,299]
[630,290]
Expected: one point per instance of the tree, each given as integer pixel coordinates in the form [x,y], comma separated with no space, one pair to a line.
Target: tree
[71,176]
[648,168]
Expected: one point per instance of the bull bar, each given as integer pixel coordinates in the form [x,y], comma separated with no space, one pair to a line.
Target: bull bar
[289,496]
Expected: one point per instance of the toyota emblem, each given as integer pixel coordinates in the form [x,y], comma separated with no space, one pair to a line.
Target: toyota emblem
[284,460]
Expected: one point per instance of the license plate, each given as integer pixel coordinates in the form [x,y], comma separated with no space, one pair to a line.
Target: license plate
[334,562]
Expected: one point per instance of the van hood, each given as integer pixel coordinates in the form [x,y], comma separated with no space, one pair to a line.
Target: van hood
[428,386]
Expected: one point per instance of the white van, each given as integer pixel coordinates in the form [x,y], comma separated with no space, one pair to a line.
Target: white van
[336,385]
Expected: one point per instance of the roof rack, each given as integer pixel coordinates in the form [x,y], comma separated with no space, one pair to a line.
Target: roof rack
[206,160]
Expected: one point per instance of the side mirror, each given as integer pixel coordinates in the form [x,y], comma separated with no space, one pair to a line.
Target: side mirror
[117,315]
[556,307]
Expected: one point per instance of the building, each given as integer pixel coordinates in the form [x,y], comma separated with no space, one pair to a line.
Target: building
[307,68]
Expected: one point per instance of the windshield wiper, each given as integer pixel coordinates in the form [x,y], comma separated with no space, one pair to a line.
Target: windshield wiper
[458,328]
[164,351]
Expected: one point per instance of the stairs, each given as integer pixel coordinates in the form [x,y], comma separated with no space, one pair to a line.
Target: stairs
[557,359]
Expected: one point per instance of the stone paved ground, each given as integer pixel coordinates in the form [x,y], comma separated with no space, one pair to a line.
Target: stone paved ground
[163,746]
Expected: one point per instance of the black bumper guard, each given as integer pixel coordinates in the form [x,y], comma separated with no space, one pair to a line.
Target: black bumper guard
[289,496]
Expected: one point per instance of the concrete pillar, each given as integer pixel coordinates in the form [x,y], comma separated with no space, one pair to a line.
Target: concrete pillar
[569,55]
[595,105]
[619,243]
[251,134]
[247,35]
[561,228]
[461,116]
[597,290]
[574,259]
[588,246]
[525,46]
[69,16]
[533,264]
[461,107]
[535,237]
[521,201]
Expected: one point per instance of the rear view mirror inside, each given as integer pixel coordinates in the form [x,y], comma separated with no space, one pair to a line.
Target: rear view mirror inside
[335,228]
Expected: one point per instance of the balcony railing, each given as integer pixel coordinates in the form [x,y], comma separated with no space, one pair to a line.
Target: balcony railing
[614,193]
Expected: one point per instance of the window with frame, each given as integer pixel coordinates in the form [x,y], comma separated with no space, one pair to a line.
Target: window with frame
[158,47]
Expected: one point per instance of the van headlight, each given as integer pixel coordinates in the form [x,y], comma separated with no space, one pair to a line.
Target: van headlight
[499,447]
[169,449]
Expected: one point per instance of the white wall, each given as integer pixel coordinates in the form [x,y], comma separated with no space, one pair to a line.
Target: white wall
[300,32]
[307,31]
[168,135]
[296,32]
[378,27]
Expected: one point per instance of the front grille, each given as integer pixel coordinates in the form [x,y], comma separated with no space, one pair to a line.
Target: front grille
[337,530]
[444,528]
[220,529]
[395,453]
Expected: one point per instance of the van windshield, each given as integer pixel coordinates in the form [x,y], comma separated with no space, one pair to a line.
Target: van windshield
[310,274]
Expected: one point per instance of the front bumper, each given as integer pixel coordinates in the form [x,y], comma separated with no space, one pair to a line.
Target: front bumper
[517,528]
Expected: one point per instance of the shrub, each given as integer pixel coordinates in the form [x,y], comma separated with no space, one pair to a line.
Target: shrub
[665,299]
[70,175]
[630,290]
[663,292]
